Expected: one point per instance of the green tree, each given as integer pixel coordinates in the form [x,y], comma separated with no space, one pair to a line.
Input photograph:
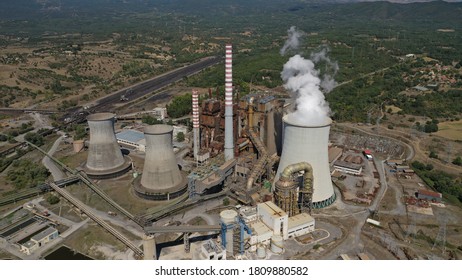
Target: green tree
[433,155]
[180,136]
[53,199]
[180,106]
[150,120]
[26,173]
[457,161]
[34,138]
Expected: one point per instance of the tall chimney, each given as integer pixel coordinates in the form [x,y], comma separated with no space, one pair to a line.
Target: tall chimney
[229,143]
[195,109]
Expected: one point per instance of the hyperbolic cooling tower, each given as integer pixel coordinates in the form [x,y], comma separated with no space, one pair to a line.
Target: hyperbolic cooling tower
[105,159]
[309,144]
[161,178]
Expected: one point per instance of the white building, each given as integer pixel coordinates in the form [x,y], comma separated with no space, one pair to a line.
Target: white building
[349,168]
[132,139]
[212,251]
[300,224]
[160,113]
[39,240]
[274,218]
[29,247]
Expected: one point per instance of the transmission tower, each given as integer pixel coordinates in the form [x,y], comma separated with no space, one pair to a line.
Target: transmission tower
[441,237]
[411,231]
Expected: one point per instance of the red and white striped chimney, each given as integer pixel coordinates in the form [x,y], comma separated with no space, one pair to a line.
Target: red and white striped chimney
[229,143]
[195,110]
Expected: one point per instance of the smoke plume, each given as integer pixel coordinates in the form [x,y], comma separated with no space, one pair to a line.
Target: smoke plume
[307,84]
[293,41]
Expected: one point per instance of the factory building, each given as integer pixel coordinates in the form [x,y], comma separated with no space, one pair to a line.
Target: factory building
[132,139]
[268,220]
[348,168]
[273,217]
[429,195]
[212,251]
[300,224]
[39,240]
[262,112]
[160,113]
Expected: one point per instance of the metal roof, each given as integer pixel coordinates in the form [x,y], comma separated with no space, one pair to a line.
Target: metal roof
[300,219]
[43,234]
[132,136]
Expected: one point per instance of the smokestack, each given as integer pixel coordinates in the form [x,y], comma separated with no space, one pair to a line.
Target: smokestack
[105,159]
[229,143]
[195,109]
[161,178]
[309,143]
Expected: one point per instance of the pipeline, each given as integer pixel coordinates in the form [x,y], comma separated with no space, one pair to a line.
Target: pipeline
[262,161]
[285,194]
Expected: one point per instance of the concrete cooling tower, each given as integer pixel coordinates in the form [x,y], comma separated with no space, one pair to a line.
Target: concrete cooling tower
[309,144]
[161,178]
[105,159]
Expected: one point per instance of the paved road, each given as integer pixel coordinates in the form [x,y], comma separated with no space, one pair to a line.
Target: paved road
[139,90]
[55,170]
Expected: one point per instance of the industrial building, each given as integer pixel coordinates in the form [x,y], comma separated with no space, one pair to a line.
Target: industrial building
[132,139]
[348,168]
[105,159]
[212,251]
[268,222]
[39,240]
[160,113]
[429,195]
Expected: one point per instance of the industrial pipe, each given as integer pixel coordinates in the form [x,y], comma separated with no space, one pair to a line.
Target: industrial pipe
[285,194]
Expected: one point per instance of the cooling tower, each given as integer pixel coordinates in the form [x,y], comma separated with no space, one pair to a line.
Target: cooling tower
[105,159]
[161,178]
[309,144]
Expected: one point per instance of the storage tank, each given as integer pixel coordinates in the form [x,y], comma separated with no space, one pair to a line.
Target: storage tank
[261,251]
[302,143]
[277,244]
[105,159]
[161,178]
[228,221]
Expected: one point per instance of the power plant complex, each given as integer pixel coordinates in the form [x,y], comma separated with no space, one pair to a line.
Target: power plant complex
[248,146]
[267,171]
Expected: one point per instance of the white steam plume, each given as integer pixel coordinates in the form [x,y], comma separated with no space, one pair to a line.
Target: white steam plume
[306,84]
[302,80]
[293,41]
[328,83]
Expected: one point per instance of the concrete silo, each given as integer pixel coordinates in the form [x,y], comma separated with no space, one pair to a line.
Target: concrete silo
[105,159]
[161,178]
[309,144]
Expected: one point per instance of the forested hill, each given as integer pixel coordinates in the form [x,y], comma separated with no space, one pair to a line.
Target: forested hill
[438,11]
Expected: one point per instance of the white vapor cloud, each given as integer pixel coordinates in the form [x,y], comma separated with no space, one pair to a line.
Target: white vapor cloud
[307,84]
[293,41]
